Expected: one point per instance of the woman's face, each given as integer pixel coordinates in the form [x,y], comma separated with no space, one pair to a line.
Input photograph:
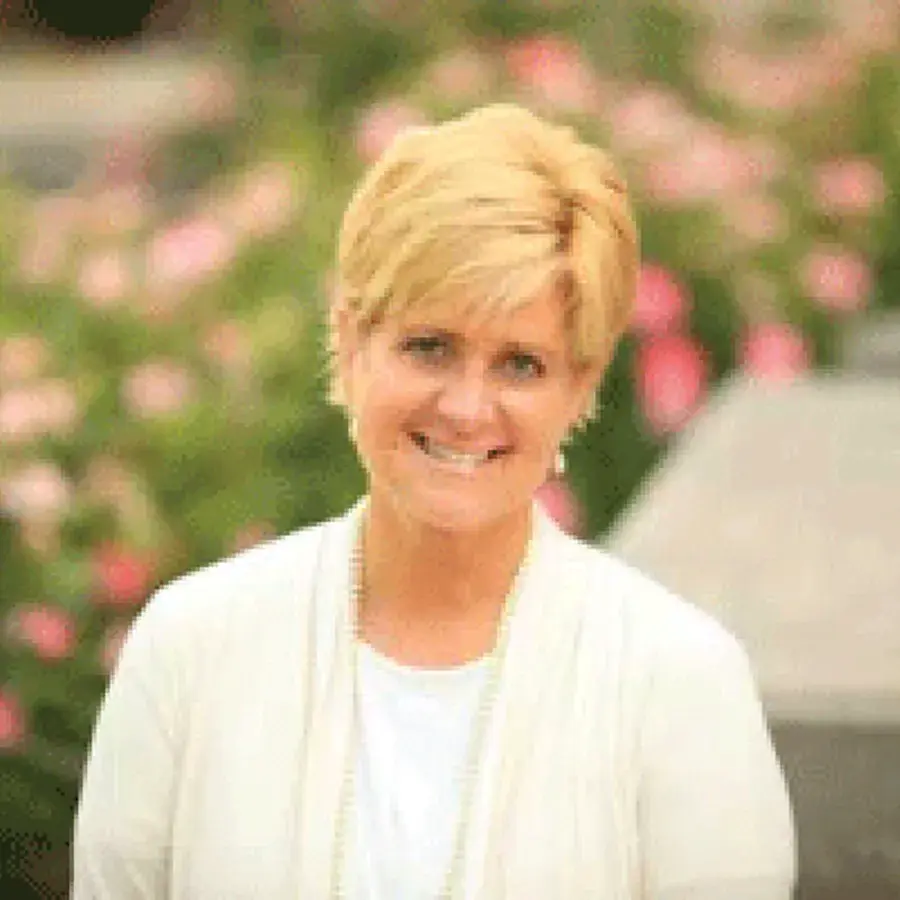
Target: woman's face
[458,420]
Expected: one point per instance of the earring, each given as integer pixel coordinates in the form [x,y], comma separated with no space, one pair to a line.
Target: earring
[559,464]
[353,428]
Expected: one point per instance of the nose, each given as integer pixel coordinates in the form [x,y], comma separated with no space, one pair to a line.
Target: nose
[466,397]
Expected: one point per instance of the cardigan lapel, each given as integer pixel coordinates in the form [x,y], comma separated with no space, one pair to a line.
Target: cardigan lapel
[329,683]
[525,781]
[543,627]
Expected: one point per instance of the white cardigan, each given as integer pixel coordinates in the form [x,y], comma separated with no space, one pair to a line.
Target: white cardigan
[628,757]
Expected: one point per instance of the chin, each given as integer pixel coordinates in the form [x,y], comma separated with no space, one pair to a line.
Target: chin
[456,513]
[453,502]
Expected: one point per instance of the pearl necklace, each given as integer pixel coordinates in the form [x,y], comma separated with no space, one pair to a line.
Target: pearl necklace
[451,883]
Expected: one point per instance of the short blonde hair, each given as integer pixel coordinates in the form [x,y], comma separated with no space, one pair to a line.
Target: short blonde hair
[488,209]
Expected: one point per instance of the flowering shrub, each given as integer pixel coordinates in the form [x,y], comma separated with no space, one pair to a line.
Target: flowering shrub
[161,377]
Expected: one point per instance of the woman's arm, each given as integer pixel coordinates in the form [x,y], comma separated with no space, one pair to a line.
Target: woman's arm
[122,833]
[715,815]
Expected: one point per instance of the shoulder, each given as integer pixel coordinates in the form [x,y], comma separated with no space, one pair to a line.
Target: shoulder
[683,666]
[660,629]
[653,612]
[231,595]
[264,568]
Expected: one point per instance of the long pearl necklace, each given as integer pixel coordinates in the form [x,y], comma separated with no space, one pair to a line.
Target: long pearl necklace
[451,885]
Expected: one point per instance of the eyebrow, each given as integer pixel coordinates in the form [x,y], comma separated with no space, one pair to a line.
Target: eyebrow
[514,345]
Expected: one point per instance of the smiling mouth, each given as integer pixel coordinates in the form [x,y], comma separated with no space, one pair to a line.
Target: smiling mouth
[455,458]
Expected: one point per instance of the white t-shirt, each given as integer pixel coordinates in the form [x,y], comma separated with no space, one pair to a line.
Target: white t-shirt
[415,728]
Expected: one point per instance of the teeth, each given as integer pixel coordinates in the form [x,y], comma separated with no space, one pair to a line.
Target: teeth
[453,456]
[467,461]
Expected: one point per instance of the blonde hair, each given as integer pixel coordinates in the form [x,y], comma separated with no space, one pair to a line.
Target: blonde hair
[487,210]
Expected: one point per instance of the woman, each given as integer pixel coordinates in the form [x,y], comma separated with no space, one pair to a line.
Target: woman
[438,693]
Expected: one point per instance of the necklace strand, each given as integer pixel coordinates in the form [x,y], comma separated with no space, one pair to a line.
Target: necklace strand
[488,701]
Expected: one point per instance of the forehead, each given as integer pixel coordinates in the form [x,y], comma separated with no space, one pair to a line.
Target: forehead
[538,321]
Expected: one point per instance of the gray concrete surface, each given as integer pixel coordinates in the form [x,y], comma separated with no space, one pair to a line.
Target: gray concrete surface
[779,513]
[56,110]
[871,344]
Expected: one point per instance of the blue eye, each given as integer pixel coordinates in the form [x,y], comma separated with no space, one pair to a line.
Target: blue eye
[428,348]
[524,365]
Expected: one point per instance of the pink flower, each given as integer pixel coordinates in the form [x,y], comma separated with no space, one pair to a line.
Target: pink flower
[158,389]
[755,218]
[850,186]
[48,630]
[381,123]
[188,252]
[266,201]
[837,279]
[29,411]
[228,345]
[461,74]
[12,720]
[704,168]
[122,576]
[38,491]
[774,351]
[555,71]
[22,357]
[661,302]
[712,165]
[671,378]
[649,118]
[764,85]
[560,503]
[774,84]
[19,416]
[104,279]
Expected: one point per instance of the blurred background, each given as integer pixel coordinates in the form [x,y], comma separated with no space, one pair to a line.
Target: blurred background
[172,175]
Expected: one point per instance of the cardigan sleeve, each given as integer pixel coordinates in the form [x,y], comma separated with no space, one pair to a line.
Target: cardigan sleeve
[714,813]
[121,841]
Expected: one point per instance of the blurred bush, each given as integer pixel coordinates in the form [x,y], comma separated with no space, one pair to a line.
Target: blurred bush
[161,365]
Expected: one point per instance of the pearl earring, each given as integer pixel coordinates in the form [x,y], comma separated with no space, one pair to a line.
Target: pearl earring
[559,464]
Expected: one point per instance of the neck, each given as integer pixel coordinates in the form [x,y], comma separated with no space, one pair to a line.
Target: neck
[429,584]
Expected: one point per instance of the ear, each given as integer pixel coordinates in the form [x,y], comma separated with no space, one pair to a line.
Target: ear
[345,337]
[343,326]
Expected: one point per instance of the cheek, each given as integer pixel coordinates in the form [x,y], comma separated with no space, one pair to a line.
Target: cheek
[385,406]
[540,421]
